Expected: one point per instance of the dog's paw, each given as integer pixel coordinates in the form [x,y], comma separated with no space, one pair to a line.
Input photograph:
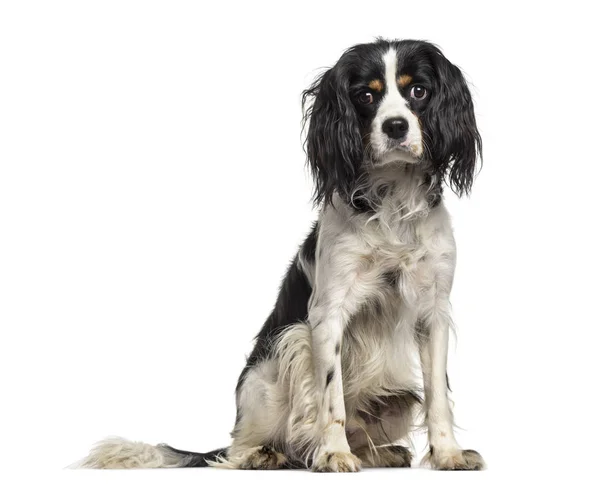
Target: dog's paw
[262,457]
[394,456]
[385,456]
[336,462]
[456,460]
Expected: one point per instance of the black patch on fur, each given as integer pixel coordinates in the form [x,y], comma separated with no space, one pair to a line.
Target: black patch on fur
[291,306]
[337,122]
[391,278]
[308,249]
[197,459]
[453,143]
[329,377]
[337,348]
[401,402]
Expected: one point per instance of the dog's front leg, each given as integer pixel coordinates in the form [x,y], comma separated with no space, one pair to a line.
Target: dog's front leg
[339,293]
[445,453]
[333,453]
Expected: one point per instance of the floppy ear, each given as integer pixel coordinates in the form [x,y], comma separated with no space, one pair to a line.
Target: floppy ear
[453,139]
[333,145]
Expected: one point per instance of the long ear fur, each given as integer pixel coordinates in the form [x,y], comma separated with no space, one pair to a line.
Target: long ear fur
[453,140]
[333,143]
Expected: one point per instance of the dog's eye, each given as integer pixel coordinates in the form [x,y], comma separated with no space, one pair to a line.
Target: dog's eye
[418,92]
[366,98]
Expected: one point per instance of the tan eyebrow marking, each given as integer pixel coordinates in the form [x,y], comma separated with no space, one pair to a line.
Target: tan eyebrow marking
[404,80]
[376,85]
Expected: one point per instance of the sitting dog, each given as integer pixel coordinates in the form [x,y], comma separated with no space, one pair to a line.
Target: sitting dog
[331,382]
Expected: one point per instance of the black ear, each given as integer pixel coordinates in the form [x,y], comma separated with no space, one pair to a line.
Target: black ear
[450,128]
[334,147]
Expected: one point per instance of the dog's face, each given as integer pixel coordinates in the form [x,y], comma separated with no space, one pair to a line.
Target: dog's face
[385,103]
[388,99]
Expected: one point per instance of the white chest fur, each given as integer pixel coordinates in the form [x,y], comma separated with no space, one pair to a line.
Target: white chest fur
[385,273]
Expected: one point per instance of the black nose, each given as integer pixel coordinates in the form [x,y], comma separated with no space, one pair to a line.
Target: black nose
[395,128]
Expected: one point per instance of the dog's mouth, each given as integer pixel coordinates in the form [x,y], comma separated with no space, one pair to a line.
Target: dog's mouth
[402,153]
[385,150]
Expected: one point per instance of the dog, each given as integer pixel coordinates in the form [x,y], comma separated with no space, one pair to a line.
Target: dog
[332,382]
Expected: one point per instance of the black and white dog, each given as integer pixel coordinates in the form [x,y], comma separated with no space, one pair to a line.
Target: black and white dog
[331,382]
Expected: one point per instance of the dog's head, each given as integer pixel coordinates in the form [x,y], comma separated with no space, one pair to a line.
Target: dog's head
[389,102]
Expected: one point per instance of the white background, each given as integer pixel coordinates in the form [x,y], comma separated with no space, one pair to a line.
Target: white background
[153,190]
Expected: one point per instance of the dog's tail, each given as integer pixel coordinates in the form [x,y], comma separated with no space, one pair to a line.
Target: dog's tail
[119,453]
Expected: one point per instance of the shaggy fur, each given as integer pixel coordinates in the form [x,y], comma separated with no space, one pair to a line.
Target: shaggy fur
[358,337]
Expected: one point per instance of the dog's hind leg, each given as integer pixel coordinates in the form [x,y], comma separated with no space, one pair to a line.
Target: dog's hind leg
[373,433]
[258,429]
